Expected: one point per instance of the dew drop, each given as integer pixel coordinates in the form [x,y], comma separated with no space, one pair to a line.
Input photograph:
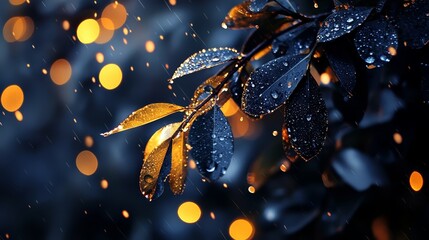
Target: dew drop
[148,178]
[213,135]
[286,64]
[211,169]
[208,89]
[370,60]
[308,117]
[294,139]
[349,20]
[384,58]
[215,59]
[274,95]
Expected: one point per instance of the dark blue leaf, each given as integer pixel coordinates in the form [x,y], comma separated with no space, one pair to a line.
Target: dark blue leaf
[414,23]
[212,143]
[342,22]
[343,67]
[205,59]
[375,42]
[358,170]
[297,41]
[271,85]
[306,119]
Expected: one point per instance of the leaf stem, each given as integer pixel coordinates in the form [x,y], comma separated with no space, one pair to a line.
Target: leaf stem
[236,65]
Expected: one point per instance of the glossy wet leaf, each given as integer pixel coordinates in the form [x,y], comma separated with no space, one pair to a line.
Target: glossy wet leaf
[179,159]
[297,41]
[204,59]
[271,85]
[152,173]
[414,24]
[241,16]
[212,143]
[375,41]
[358,170]
[342,22]
[342,66]
[306,119]
[163,134]
[145,115]
[257,5]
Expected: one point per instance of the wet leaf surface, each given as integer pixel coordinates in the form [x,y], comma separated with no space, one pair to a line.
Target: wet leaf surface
[297,41]
[179,159]
[342,22]
[414,23]
[212,143]
[151,174]
[204,59]
[241,16]
[375,41]
[306,119]
[343,67]
[145,115]
[358,170]
[271,85]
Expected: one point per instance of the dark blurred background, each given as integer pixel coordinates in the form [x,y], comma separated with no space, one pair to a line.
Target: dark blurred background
[59,179]
[43,193]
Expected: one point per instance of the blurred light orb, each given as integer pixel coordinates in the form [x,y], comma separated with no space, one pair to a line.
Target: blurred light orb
[416,181]
[88,31]
[99,57]
[104,184]
[86,162]
[125,214]
[16,2]
[60,71]
[110,76]
[89,141]
[66,25]
[12,98]
[325,78]
[106,33]
[172,2]
[18,29]
[229,108]
[189,212]
[241,229]
[19,116]
[150,46]
[116,13]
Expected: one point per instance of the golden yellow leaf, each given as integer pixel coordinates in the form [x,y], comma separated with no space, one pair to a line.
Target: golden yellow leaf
[163,134]
[154,155]
[145,115]
[179,158]
[151,168]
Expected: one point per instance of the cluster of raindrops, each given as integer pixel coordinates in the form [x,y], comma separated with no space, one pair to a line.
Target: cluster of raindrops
[296,41]
[212,143]
[375,41]
[272,84]
[342,22]
[306,119]
[204,59]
